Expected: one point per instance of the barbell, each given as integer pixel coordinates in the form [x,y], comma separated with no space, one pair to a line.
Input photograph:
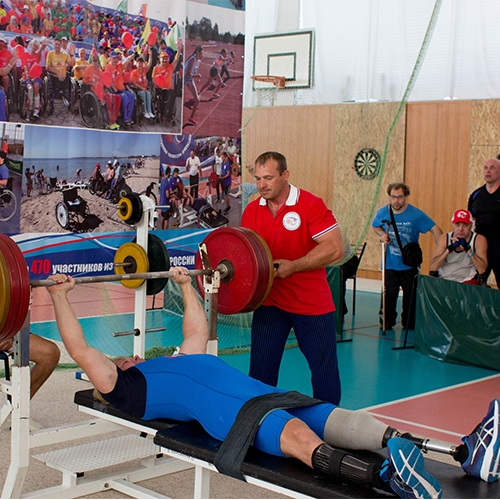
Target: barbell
[240,255]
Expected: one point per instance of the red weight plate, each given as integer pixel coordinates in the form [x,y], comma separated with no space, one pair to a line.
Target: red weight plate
[4,291]
[229,244]
[235,169]
[269,262]
[13,305]
[213,179]
[262,277]
[25,288]
[20,284]
[266,269]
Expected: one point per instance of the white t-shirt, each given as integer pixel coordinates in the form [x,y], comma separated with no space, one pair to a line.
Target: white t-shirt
[193,164]
[218,165]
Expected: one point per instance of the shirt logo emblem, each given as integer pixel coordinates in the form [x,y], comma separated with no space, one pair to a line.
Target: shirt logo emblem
[291,221]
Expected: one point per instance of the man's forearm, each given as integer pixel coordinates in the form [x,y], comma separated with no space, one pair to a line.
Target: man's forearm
[68,325]
[320,256]
[438,259]
[195,324]
[194,313]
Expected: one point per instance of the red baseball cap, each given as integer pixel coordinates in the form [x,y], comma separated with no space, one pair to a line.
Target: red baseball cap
[461,215]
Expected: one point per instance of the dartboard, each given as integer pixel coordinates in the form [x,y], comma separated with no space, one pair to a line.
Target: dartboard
[367,163]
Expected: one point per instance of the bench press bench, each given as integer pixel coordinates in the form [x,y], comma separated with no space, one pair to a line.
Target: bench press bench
[189,443]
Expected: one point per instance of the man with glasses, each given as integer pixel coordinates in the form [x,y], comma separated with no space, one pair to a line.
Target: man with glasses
[410,222]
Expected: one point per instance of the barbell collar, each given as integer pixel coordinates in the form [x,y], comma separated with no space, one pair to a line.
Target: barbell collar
[122,277]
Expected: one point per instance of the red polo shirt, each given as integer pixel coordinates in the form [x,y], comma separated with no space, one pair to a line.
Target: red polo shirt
[291,235]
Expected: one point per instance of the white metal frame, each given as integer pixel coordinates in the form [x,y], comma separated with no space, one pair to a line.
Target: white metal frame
[22,440]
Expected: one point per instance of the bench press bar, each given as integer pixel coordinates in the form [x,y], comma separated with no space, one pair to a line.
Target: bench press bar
[124,277]
[135,276]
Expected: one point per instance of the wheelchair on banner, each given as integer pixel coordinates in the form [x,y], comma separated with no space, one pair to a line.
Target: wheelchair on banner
[26,99]
[138,112]
[76,91]
[71,208]
[8,95]
[8,201]
[68,100]
[93,112]
[98,186]
[164,101]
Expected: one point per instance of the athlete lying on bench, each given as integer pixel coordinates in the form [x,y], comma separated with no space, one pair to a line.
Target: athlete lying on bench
[201,387]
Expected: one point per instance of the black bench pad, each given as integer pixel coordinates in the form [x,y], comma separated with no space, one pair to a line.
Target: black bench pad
[86,398]
[190,439]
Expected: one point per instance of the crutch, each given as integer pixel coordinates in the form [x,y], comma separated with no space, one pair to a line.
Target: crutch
[384,255]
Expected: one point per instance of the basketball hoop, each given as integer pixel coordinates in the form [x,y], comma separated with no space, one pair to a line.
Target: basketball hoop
[266,88]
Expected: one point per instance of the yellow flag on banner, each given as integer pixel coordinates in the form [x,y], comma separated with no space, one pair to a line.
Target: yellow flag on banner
[144,36]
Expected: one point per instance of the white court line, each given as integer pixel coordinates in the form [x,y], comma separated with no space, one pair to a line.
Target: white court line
[415,424]
[437,391]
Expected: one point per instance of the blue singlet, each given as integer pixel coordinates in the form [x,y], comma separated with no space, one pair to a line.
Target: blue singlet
[204,388]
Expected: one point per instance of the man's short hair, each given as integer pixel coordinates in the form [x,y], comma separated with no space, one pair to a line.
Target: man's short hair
[273,155]
[397,186]
[176,170]
[3,155]
[492,161]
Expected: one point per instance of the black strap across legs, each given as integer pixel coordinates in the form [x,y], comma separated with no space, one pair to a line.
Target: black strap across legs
[234,448]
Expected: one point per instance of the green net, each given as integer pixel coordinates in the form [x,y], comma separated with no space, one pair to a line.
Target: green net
[233,331]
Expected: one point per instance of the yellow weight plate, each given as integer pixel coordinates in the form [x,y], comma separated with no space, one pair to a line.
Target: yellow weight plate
[4,292]
[125,209]
[136,258]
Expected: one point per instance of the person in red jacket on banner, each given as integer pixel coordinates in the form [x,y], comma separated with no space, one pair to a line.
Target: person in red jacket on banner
[93,77]
[139,81]
[116,67]
[163,80]
[33,72]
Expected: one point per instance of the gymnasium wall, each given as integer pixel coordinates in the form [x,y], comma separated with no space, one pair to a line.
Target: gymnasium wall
[437,148]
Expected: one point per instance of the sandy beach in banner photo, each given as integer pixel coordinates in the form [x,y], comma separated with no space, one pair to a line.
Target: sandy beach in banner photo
[38,212]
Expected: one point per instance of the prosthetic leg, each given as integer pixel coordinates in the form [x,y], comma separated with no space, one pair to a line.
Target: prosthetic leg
[403,471]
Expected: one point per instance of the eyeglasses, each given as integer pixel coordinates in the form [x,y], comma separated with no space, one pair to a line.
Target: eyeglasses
[400,197]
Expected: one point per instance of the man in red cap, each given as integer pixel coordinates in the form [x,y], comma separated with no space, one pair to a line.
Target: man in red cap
[460,254]
[484,205]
